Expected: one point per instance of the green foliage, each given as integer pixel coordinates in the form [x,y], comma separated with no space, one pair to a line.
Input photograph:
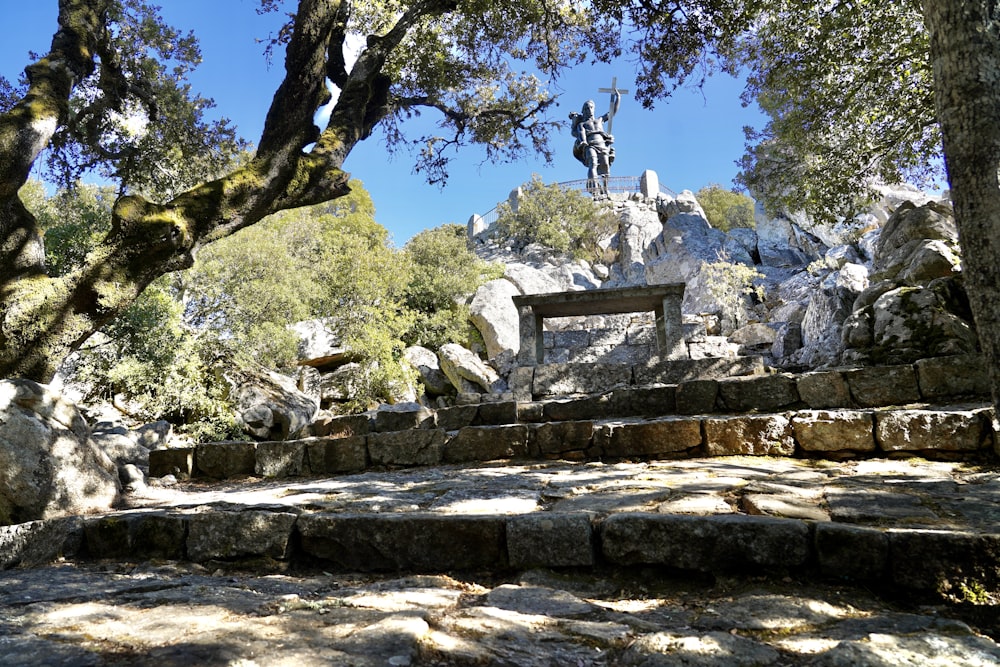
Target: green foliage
[331,262]
[135,120]
[443,274]
[726,209]
[559,218]
[73,221]
[731,284]
[848,88]
[151,362]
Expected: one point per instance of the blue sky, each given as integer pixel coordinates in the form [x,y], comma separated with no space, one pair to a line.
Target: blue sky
[690,140]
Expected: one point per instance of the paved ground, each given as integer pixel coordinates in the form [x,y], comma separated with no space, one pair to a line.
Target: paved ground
[180,614]
[905,493]
[175,613]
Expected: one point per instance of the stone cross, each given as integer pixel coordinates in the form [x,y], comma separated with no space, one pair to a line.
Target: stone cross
[613,89]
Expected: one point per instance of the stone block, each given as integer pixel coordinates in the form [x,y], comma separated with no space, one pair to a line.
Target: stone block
[878,386]
[941,561]
[957,375]
[550,540]
[756,435]
[456,417]
[649,438]
[788,339]
[38,543]
[570,379]
[403,417]
[281,459]
[337,455]
[697,397]
[344,426]
[715,543]
[495,414]
[824,389]
[931,430]
[606,338]
[486,443]
[234,535]
[834,430]
[530,412]
[406,448]
[140,536]
[521,381]
[641,334]
[851,552]
[405,542]
[573,340]
[675,371]
[592,407]
[176,461]
[764,393]
[558,438]
[223,460]
[644,401]
[712,347]
[613,355]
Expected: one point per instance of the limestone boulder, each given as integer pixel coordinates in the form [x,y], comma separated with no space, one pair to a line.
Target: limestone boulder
[318,345]
[465,370]
[493,313]
[781,242]
[917,245]
[573,276]
[905,324]
[530,280]
[684,203]
[269,406]
[822,325]
[747,239]
[638,227]
[426,363]
[49,464]
[121,446]
[686,242]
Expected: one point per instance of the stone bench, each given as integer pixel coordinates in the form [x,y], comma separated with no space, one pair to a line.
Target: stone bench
[663,300]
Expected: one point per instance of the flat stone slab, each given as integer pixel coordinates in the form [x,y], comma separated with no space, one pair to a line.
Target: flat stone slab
[599,301]
[874,492]
[176,614]
[714,515]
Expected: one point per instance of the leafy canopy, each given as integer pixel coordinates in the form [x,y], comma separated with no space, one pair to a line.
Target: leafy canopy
[848,88]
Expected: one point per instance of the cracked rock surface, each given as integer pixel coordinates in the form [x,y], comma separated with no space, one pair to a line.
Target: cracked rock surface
[183,614]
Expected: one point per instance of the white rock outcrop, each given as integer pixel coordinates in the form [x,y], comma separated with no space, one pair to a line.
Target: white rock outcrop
[49,464]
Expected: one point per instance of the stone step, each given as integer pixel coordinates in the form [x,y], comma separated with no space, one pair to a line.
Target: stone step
[833,413]
[906,524]
[953,432]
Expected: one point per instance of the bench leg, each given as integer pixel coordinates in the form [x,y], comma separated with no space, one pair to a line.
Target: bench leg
[669,329]
[532,350]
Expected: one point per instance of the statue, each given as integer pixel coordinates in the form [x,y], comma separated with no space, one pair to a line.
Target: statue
[593,146]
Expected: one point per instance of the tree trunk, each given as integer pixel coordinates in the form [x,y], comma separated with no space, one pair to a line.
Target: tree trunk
[965,53]
[43,319]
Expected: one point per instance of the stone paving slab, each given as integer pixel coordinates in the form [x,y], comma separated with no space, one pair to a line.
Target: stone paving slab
[864,520]
[179,614]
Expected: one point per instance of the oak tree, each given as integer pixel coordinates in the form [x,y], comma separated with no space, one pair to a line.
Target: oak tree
[114,60]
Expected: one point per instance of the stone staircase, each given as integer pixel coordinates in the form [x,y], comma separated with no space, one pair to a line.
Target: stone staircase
[937,408]
[812,473]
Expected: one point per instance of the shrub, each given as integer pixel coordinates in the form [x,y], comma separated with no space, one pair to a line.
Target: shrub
[726,209]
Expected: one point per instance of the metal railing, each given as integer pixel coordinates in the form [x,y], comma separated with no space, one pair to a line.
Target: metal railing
[614,185]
